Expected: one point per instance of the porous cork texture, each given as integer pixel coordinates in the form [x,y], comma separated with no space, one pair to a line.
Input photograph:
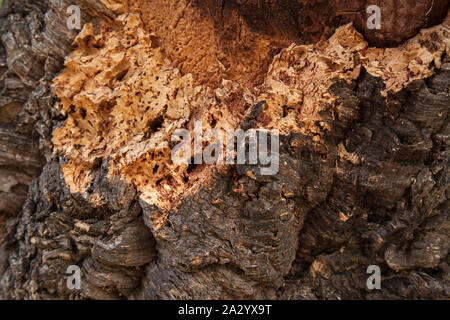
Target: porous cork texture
[124,97]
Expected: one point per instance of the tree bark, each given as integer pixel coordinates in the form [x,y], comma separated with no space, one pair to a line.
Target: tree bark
[86,176]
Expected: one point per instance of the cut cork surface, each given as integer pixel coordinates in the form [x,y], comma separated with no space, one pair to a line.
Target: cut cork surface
[124,97]
[125,112]
[237,40]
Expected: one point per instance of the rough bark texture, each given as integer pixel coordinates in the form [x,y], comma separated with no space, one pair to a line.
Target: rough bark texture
[85,171]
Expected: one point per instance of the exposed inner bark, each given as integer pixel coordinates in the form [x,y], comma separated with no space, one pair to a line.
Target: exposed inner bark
[363,175]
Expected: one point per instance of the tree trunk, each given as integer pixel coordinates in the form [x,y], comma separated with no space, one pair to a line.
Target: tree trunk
[88,178]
